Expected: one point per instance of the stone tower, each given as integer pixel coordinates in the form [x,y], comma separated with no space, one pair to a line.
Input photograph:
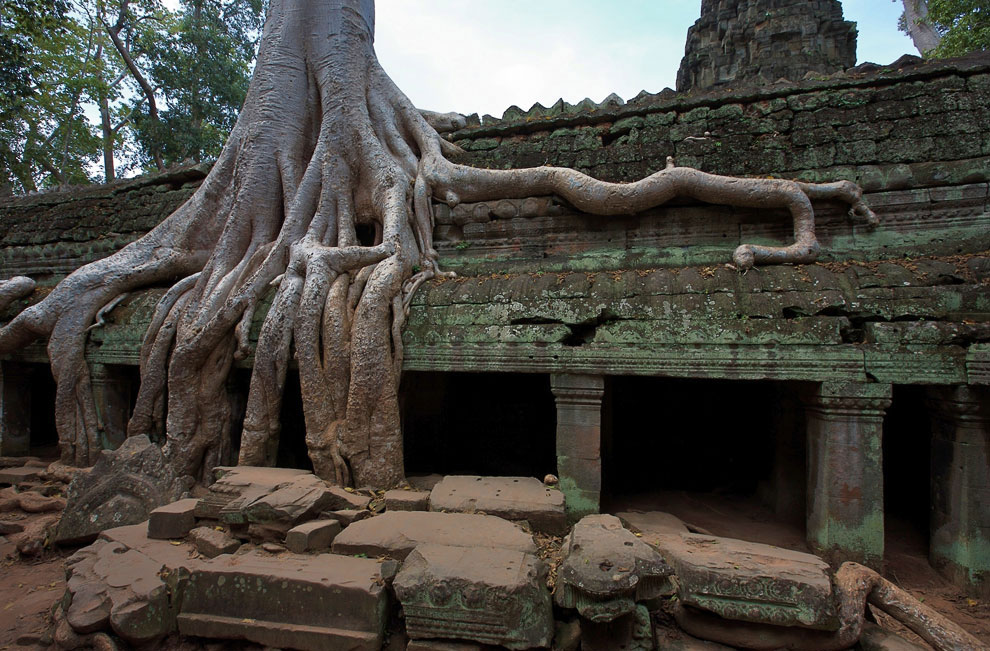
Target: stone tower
[746,41]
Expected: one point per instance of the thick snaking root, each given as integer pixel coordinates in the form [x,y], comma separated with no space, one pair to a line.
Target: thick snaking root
[325,148]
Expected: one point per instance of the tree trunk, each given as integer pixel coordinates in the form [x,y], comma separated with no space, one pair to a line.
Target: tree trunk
[922,33]
[325,142]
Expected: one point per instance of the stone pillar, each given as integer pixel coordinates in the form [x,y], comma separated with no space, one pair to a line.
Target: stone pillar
[579,433]
[15,410]
[845,471]
[959,546]
[111,395]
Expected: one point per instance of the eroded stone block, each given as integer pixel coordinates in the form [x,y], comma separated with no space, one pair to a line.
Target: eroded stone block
[401,500]
[512,498]
[397,533]
[212,543]
[317,603]
[173,520]
[751,582]
[15,476]
[312,536]
[492,596]
[606,570]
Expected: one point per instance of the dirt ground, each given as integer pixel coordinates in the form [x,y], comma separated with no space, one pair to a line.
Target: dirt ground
[905,560]
[28,588]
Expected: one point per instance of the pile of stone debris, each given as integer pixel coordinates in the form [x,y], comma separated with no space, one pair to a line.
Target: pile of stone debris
[276,557]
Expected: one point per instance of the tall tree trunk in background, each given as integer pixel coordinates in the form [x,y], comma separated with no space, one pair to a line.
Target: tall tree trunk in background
[325,143]
[922,33]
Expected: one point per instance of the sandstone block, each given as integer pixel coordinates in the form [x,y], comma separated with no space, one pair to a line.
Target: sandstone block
[233,482]
[318,603]
[349,516]
[751,582]
[606,570]
[442,645]
[173,520]
[15,476]
[512,498]
[492,596]
[400,500]
[311,536]
[123,488]
[212,543]
[397,533]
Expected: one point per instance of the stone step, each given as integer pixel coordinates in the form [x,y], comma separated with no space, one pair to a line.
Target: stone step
[309,602]
[512,498]
[395,534]
[14,476]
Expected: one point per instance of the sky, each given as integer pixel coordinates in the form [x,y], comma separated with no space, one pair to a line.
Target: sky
[482,56]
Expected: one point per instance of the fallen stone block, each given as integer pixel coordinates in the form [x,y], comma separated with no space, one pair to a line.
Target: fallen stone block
[344,499]
[512,498]
[124,487]
[397,533]
[402,500]
[493,596]
[212,543]
[173,520]
[296,502]
[15,476]
[322,602]
[232,482]
[349,516]
[442,645]
[424,482]
[17,462]
[751,582]
[312,536]
[606,570]
[654,522]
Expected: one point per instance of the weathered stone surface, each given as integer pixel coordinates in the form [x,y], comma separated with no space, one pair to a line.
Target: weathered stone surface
[299,500]
[349,516]
[233,482]
[674,639]
[493,596]
[312,536]
[512,498]
[442,645]
[320,603]
[606,570]
[173,520]
[123,488]
[402,500]
[652,524]
[739,41]
[630,632]
[110,585]
[212,543]
[345,500]
[15,476]
[397,533]
[751,582]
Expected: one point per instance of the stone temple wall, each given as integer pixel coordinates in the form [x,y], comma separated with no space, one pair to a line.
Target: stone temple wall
[741,42]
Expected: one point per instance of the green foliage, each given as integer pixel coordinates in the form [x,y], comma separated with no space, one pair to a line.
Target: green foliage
[963,24]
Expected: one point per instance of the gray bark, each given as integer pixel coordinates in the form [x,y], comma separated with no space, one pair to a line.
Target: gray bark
[922,34]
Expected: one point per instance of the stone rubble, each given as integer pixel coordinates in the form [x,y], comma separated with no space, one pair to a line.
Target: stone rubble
[512,498]
[312,536]
[407,500]
[212,543]
[173,520]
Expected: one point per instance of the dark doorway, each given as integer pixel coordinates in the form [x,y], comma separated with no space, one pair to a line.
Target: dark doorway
[499,424]
[907,436]
[44,436]
[292,441]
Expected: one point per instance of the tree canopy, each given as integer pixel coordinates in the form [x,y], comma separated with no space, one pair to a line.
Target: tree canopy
[95,87]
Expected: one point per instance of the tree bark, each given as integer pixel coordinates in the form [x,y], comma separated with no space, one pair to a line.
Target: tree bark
[325,142]
[922,34]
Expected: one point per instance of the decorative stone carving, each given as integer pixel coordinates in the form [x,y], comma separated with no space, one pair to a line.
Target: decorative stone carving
[737,41]
[123,488]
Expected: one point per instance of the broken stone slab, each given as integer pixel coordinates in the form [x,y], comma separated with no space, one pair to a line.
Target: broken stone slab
[403,500]
[512,498]
[318,603]
[654,522]
[124,487]
[15,476]
[606,570]
[348,516]
[751,582]
[397,533]
[344,499]
[291,504]
[212,543]
[312,536]
[111,586]
[173,520]
[232,482]
[493,596]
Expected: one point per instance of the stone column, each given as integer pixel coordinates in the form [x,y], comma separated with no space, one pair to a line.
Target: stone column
[845,471]
[959,547]
[111,396]
[15,410]
[579,430]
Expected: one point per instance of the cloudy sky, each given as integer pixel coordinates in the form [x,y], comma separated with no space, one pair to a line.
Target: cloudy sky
[481,56]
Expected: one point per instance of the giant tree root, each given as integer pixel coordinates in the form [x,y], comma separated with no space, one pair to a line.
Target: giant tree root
[855,586]
[323,195]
